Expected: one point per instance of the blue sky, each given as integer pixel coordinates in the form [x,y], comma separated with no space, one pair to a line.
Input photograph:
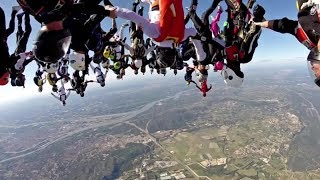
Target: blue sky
[272,46]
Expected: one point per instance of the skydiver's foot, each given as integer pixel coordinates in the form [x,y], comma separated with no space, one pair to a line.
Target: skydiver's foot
[16,8]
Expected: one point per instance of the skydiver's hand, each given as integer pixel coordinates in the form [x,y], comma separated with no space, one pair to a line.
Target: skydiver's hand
[258,23]
[112,11]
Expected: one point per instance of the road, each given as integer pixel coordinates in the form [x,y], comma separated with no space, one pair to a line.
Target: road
[128,116]
[146,132]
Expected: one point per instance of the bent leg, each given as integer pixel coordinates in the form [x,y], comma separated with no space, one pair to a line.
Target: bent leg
[206,14]
[150,29]
[10,30]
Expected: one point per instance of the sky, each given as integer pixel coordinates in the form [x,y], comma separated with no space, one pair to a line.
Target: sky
[273,47]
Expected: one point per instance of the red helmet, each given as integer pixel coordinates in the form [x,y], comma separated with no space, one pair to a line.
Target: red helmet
[4,79]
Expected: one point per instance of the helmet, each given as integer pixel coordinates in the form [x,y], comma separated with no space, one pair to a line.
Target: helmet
[117,65]
[314,66]
[77,61]
[109,53]
[102,83]
[4,79]
[258,12]
[106,52]
[163,71]
[50,46]
[231,78]
[138,63]
[166,56]
[51,67]
[218,66]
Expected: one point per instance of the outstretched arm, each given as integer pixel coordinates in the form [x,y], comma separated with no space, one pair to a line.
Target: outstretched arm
[210,88]
[283,25]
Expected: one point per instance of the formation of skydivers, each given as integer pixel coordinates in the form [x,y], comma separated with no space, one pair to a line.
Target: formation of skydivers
[72,28]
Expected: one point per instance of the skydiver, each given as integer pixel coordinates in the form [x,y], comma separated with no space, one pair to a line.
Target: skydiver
[20,61]
[23,35]
[204,88]
[212,46]
[188,75]
[139,49]
[202,76]
[215,29]
[241,36]
[63,68]
[306,29]
[62,95]
[17,67]
[54,38]
[38,79]
[166,28]
[4,50]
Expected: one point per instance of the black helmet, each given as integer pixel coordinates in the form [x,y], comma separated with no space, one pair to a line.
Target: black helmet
[50,46]
[166,57]
[258,12]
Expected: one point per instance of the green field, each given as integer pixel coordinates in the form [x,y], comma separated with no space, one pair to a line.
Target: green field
[193,147]
[253,148]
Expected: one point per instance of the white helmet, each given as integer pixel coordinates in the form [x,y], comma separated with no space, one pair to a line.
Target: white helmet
[231,78]
[314,67]
[77,61]
[138,63]
[51,68]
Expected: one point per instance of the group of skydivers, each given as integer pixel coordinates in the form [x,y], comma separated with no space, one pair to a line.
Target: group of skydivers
[72,28]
